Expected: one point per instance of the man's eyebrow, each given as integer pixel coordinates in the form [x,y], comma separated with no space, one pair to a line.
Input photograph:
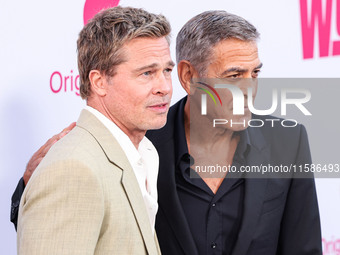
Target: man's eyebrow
[152,66]
[259,66]
[234,69]
[239,69]
[171,63]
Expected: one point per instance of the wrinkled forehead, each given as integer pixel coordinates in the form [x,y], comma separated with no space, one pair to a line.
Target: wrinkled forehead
[234,53]
[233,48]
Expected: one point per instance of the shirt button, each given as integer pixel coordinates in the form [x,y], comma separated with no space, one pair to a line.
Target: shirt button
[213,245]
[213,205]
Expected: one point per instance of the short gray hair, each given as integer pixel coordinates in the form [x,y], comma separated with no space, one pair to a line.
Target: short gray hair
[200,34]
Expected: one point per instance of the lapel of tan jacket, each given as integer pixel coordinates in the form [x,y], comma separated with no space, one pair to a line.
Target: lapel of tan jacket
[116,156]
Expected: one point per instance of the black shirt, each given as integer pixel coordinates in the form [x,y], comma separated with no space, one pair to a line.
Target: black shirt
[214,219]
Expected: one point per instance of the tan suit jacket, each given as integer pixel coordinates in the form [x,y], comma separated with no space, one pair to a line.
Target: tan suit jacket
[84,199]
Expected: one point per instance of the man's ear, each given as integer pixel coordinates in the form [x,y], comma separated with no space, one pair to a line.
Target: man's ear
[186,72]
[98,82]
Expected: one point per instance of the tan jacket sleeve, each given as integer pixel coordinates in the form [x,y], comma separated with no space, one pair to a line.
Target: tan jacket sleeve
[61,211]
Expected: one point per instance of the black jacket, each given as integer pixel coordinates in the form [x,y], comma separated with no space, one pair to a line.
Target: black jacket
[280,215]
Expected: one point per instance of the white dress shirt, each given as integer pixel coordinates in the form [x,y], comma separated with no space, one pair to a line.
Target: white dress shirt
[144,162]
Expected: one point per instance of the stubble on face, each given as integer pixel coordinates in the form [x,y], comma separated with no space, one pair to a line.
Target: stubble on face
[138,95]
[234,62]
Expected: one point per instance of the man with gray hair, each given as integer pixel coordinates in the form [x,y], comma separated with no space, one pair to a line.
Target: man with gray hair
[229,214]
[237,216]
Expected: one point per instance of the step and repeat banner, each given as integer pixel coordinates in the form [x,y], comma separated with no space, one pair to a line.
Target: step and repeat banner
[39,87]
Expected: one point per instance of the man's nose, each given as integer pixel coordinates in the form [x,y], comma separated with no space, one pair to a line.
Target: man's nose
[163,85]
[247,83]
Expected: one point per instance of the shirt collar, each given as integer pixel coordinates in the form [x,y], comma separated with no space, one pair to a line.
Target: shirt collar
[181,142]
[124,141]
[243,146]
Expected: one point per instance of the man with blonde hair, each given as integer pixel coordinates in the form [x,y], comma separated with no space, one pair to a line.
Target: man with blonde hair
[95,191]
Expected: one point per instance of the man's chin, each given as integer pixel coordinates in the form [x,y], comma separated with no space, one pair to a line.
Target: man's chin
[157,124]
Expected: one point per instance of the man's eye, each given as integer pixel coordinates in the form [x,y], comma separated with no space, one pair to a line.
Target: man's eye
[234,76]
[256,73]
[147,73]
[168,70]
